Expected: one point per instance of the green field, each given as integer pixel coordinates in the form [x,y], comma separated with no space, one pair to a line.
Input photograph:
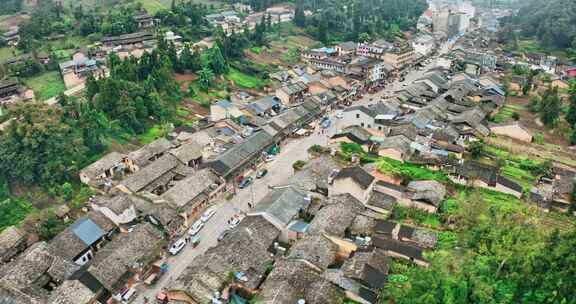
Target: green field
[46,85]
[13,211]
[5,53]
[408,170]
[244,81]
[151,134]
[506,113]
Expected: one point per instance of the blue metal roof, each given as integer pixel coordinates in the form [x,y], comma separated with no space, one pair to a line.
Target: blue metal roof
[86,230]
[299,226]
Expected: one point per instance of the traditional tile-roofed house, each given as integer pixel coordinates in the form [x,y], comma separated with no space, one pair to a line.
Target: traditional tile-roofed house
[426,195]
[316,249]
[128,39]
[124,259]
[293,280]
[381,202]
[12,242]
[119,209]
[157,177]
[241,156]
[398,249]
[224,109]
[8,87]
[396,147]
[245,251]
[292,93]
[189,153]
[105,168]
[416,236]
[72,292]
[165,216]
[336,216]
[362,225]
[315,175]
[29,277]
[386,229]
[353,134]
[368,268]
[471,124]
[281,207]
[78,242]
[150,152]
[194,192]
[356,181]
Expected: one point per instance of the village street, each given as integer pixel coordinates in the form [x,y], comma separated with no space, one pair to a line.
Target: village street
[279,172]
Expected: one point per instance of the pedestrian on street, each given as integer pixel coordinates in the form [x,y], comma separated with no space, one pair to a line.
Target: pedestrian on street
[249,205]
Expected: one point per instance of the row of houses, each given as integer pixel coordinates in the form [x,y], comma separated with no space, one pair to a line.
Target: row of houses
[320,248]
[95,259]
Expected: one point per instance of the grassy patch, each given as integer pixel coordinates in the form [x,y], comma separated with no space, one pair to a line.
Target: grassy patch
[180,111]
[5,53]
[13,211]
[151,134]
[506,113]
[409,171]
[256,50]
[244,81]
[416,216]
[152,6]
[46,85]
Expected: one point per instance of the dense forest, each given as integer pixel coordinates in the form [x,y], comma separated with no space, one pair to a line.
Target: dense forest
[553,22]
[10,6]
[338,20]
[493,251]
[347,20]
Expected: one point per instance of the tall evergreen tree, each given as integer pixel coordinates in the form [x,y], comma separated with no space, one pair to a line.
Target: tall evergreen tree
[217,61]
[299,17]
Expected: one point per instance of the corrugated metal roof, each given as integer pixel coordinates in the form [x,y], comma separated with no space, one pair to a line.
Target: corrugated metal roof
[87,231]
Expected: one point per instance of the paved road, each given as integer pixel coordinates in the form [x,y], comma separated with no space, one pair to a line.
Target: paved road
[279,172]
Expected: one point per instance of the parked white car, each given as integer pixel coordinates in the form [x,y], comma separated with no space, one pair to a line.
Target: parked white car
[339,115]
[196,227]
[177,246]
[234,222]
[269,158]
[207,215]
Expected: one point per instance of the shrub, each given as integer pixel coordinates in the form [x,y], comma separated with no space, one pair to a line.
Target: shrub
[298,165]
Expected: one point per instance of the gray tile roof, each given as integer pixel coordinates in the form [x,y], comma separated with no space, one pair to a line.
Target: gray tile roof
[316,249]
[157,147]
[430,191]
[80,235]
[108,161]
[115,259]
[71,292]
[281,206]
[187,152]
[359,175]
[191,187]
[336,216]
[145,176]
[240,154]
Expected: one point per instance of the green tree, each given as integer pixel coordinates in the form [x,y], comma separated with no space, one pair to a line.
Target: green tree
[299,17]
[217,62]
[39,148]
[205,78]
[551,107]
[476,149]
[571,115]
